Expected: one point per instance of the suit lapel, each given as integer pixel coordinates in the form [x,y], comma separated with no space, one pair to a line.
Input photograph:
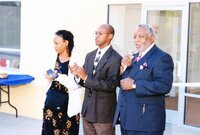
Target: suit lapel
[136,66]
[91,62]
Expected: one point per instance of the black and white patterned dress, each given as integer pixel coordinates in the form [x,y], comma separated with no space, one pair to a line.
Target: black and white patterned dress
[55,118]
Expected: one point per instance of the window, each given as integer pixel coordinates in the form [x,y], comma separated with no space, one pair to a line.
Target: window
[124,18]
[192,109]
[10,18]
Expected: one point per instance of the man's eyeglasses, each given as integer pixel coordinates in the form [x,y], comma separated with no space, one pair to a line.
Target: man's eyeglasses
[99,33]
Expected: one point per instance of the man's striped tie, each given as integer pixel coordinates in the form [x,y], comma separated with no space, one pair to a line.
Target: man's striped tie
[96,62]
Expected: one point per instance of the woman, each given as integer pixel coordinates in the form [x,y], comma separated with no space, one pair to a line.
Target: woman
[61,114]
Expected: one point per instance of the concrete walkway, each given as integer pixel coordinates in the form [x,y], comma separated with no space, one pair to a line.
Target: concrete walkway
[10,125]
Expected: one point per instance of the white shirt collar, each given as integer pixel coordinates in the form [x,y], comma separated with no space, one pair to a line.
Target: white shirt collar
[103,50]
[143,53]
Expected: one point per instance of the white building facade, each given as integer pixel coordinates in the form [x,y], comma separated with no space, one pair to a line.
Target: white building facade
[177,32]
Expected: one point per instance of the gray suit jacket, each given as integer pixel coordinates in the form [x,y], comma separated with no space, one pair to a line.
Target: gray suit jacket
[100,89]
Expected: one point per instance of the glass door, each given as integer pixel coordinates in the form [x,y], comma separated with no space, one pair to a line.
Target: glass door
[170,28]
[192,95]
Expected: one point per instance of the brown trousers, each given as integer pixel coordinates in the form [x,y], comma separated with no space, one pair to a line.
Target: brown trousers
[90,128]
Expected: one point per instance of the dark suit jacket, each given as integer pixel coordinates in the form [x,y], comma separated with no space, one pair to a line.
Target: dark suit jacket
[143,109]
[100,89]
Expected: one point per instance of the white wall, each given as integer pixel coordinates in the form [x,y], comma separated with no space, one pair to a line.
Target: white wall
[40,19]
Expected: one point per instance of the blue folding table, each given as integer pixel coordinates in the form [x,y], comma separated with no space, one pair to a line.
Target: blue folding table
[13,80]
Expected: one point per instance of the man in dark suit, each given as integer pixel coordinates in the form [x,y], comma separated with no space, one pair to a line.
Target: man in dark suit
[100,77]
[147,78]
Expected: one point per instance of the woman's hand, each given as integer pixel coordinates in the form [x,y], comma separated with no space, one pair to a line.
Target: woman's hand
[48,77]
